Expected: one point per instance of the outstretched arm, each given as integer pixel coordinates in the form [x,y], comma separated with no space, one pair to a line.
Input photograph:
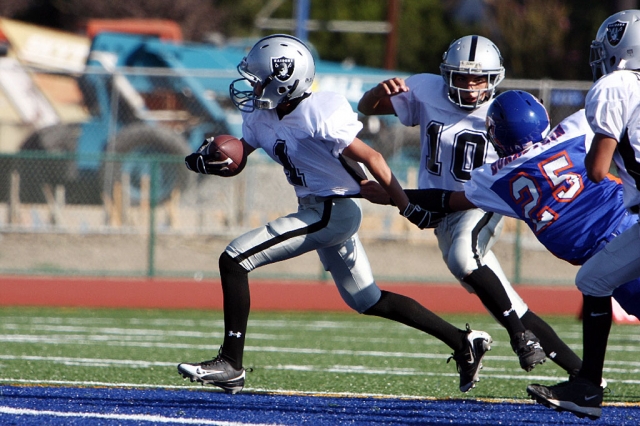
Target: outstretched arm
[436,200]
[377,101]
[378,167]
[458,201]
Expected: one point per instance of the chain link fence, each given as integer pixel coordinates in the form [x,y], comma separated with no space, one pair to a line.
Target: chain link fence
[102,188]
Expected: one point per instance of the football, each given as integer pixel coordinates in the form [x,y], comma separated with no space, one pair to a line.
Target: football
[227,148]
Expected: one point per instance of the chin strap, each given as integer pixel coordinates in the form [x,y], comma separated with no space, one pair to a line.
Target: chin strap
[293,88]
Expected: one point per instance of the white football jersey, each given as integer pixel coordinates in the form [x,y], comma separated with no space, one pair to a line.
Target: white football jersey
[613,109]
[307,142]
[452,139]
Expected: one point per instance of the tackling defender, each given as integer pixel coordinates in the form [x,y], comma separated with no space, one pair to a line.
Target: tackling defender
[450,109]
[612,109]
[541,179]
[312,135]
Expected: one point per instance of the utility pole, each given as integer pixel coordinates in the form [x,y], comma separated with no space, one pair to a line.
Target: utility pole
[391,51]
[301,13]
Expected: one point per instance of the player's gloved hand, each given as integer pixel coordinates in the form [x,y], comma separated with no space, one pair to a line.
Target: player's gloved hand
[206,164]
[422,218]
[203,162]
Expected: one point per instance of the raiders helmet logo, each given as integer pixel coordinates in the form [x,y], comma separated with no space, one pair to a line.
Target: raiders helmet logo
[615,31]
[282,68]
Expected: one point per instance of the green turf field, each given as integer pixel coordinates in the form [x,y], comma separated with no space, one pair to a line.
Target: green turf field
[300,352]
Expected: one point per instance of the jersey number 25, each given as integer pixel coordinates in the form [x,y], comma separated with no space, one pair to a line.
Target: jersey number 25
[564,185]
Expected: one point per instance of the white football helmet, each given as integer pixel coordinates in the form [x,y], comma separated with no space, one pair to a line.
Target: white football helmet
[475,55]
[617,44]
[284,67]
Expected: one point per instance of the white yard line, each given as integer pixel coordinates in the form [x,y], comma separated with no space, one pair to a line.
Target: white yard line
[97,384]
[266,323]
[134,417]
[335,369]
[90,362]
[135,341]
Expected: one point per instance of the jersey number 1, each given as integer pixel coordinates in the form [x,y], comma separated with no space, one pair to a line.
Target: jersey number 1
[294,175]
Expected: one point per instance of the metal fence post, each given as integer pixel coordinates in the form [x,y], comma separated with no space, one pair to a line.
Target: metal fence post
[152,219]
[517,253]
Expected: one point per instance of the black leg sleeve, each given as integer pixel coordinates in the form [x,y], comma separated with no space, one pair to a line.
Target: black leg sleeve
[494,297]
[596,325]
[554,347]
[236,305]
[407,311]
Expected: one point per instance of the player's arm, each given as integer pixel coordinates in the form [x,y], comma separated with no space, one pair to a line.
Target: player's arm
[458,201]
[246,151]
[377,101]
[378,167]
[598,159]
[435,200]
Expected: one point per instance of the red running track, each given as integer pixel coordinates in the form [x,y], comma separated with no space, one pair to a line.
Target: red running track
[159,293]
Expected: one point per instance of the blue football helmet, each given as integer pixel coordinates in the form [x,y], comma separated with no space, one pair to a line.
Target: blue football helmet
[516,120]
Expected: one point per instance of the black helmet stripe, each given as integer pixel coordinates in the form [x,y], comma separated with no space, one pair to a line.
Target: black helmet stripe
[472,50]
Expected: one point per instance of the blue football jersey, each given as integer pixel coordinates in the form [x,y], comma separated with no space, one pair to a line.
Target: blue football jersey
[546,186]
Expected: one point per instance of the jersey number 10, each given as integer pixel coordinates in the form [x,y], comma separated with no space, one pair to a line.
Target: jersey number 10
[469,150]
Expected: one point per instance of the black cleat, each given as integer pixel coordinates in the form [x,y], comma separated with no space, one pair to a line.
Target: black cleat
[217,372]
[578,396]
[469,360]
[527,346]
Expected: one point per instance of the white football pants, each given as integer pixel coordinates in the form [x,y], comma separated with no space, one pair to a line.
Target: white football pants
[465,239]
[327,226]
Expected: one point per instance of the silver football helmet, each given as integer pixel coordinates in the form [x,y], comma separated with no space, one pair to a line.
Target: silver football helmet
[281,66]
[617,44]
[474,55]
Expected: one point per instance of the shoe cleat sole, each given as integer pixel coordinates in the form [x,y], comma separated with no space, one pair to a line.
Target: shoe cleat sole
[593,414]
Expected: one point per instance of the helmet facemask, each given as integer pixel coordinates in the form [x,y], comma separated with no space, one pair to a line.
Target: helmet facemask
[474,56]
[597,57]
[456,94]
[278,69]
[490,125]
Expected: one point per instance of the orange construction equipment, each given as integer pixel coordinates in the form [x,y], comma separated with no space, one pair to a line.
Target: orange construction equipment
[162,28]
